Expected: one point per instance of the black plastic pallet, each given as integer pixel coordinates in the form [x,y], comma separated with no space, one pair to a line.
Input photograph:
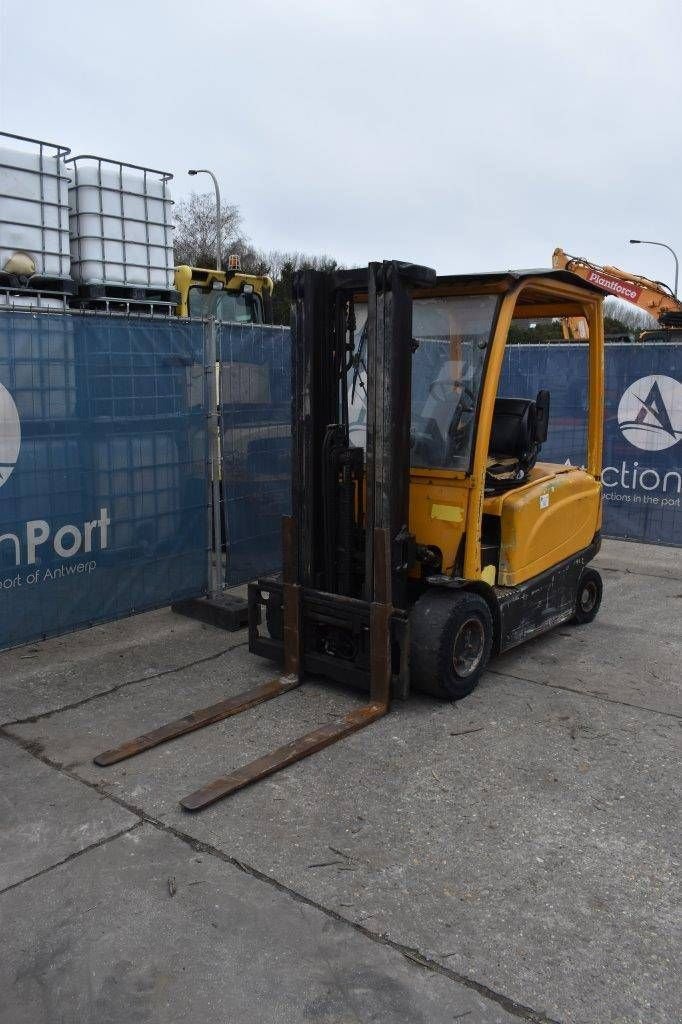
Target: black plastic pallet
[226,611]
[37,284]
[127,293]
[109,305]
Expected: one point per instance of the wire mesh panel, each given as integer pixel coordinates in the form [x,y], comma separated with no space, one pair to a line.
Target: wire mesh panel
[103,469]
[255,406]
[642,427]
[563,370]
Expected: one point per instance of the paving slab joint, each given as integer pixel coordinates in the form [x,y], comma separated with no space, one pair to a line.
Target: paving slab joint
[511,1006]
[73,856]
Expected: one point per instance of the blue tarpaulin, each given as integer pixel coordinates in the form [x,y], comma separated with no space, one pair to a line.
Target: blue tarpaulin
[103,478]
[104,471]
[255,405]
[642,463]
[642,428]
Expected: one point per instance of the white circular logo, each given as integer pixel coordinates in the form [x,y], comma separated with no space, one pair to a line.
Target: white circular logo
[10,435]
[650,412]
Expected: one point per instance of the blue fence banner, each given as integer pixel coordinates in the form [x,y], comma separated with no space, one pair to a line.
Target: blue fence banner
[642,461]
[255,407]
[103,469]
[642,438]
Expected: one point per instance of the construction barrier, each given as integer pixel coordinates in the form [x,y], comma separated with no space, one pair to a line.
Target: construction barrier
[103,469]
[642,450]
[642,474]
[255,414]
[125,441]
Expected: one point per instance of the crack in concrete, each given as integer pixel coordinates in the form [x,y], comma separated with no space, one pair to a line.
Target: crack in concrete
[637,572]
[511,1006]
[585,693]
[72,856]
[30,719]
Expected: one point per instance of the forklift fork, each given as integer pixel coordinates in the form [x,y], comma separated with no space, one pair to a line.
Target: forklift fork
[198,719]
[318,739]
[289,680]
[310,742]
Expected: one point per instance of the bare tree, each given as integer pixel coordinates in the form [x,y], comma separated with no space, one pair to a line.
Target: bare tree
[281,267]
[195,242]
[195,230]
[630,316]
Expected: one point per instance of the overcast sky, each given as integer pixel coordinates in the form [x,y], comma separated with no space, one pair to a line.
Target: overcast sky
[470,135]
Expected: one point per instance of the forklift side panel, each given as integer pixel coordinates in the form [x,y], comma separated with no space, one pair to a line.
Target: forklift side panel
[553,516]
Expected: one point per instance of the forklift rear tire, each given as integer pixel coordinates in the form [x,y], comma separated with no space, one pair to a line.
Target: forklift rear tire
[451,637]
[588,598]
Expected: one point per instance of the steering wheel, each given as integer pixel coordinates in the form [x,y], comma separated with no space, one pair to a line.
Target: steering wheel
[442,391]
[426,442]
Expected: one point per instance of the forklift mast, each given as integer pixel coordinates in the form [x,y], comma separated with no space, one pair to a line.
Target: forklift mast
[349,509]
[331,480]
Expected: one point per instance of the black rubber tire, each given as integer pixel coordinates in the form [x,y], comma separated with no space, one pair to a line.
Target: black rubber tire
[436,622]
[588,596]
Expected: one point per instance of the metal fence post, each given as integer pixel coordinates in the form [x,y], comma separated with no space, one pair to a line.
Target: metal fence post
[215,557]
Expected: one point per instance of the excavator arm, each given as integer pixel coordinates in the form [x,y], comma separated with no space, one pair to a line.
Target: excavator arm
[654,297]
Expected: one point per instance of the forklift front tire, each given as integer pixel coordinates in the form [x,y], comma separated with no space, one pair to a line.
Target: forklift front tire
[588,598]
[451,637]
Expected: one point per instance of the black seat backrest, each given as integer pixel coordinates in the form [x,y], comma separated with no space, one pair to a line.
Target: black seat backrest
[518,431]
[512,432]
[519,427]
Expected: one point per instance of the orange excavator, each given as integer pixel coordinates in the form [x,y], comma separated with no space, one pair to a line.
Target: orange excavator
[654,297]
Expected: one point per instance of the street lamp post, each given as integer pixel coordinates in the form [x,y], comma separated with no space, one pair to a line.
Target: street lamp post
[218,243]
[641,241]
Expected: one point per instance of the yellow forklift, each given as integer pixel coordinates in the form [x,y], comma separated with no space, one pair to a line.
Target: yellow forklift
[426,535]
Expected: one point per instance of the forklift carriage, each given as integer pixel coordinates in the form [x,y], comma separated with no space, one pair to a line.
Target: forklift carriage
[425,535]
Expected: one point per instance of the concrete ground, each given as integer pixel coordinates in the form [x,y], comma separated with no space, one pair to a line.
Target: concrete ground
[508,858]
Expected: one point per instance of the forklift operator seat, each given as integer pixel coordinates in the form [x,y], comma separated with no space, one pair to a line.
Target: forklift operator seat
[518,430]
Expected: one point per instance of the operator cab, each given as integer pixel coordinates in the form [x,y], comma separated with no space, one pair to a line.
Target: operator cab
[449,347]
[463,427]
[224,295]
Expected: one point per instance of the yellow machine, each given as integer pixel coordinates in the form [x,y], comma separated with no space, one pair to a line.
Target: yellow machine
[227,295]
[426,536]
[654,297]
[542,516]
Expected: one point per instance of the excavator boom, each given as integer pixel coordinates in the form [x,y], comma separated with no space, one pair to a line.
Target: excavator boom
[654,297]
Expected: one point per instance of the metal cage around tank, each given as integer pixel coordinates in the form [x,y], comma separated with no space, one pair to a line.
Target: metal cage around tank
[34,223]
[121,229]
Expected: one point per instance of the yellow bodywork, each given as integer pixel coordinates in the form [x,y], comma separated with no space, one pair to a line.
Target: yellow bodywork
[548,519]
[188,277]
[438,510]
[557,512]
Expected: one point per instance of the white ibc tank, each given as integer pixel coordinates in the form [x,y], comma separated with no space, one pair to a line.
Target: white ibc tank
[34,211]
[120,223]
